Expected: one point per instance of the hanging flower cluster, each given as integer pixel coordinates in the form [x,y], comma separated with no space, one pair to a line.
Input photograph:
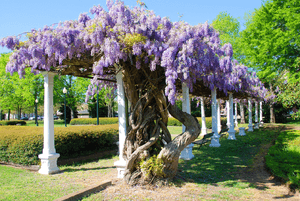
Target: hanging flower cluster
[188,53]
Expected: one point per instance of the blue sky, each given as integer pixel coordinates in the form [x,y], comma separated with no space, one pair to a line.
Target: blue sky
[19,16]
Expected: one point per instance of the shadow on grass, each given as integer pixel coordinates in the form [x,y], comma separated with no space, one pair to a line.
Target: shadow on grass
[70,169]
[81,160]
[231,164]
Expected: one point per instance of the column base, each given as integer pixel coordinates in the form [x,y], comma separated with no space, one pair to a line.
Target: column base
[203,131]
[215,141]
[121,164]
[261,124]
[242,131]
[250,128]
[49,163]
[256,126]
[187,153]
[231,135]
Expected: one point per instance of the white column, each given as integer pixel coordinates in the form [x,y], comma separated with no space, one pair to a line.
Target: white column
[219,116]
[49,156]
[185,101]
[215,137]
[186,153]
[261,121]
[121,163]
[235,116]
[231,126]
[203,127]
[256,116]
[250,127]
[228,112]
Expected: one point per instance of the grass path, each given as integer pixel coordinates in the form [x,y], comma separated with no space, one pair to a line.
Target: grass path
[234,171]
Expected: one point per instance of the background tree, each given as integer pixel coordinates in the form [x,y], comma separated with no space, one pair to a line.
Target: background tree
[19,94]
[229,30]
[271,42]
[76,89]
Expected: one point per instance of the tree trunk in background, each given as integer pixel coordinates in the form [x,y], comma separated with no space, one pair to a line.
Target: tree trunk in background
[242,113]
[272,114]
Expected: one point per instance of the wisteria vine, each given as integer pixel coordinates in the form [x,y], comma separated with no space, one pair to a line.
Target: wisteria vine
[188,53]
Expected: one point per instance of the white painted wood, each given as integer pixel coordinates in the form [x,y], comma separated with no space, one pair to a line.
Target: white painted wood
[49,156]
[219,115]
[256,126]
[121,163]
[228,114]
[242,131]
[203,127]
[231,126]
[261,121]
[250,126]
[187,152]
[185,101]
[215,138]
[235,115]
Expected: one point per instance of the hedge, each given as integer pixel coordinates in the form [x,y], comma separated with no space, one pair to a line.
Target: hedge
[114,120]
[93,121]
[174,122]
[22,145]
[12,122]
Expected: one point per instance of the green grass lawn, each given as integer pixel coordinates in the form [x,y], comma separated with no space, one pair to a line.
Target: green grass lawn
[283,158]
[218,167]
[210,167]
[57,123]
[19,184]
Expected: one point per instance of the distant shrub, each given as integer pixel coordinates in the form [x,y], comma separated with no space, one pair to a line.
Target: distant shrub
[12,122]
[93,121]
[174,122]
[22,145]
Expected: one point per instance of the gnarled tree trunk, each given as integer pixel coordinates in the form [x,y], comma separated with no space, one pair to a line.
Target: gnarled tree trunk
[149,150]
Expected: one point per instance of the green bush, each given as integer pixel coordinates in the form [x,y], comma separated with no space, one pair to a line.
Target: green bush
[12,122]
[93,121]
[174,122]
[283,158]
[22,145]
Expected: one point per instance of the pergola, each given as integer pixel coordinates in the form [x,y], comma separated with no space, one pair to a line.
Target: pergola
[83,68]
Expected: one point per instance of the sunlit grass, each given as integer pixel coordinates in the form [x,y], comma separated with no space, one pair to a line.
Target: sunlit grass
[19,184]
[283,157]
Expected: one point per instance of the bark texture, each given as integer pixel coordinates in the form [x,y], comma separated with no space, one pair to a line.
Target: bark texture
[242,113]
[149,151]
